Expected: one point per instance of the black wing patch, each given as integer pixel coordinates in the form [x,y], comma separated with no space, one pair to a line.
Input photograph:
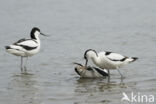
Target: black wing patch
[22,40]
[101,72]
[89,68]
[119,60]
[124,59]
[27,47]
[108,53]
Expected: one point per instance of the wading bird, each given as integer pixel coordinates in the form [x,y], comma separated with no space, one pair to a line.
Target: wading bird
[26,47]
[107,60]
[90,72]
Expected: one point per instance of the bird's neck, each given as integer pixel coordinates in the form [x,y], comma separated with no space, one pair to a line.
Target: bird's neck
[37,39]
[94,57]
[35,36]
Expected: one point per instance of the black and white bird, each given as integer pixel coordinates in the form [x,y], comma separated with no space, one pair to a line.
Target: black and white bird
[26,47]
[107,60]
[90,72]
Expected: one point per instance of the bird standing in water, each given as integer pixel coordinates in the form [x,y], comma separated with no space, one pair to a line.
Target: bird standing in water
[107,60]
[26,47]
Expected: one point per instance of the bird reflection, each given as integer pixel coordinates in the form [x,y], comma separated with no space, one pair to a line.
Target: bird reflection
[97,90]
[24,89]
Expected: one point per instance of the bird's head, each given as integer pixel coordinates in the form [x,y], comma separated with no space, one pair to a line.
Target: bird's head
[35,32]
[89,53]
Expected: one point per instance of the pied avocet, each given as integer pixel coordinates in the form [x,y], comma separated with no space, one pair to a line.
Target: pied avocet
[90,72]
[26,47]
[107,60]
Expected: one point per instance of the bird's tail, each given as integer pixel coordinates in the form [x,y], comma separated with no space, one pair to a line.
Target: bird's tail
[13,49]
[132,59]
[135,58]
[7,47]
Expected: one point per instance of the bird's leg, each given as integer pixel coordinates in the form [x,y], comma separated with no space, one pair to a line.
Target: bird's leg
[120,73]
[21,64]
[108,75]
[108,72]
[25,68]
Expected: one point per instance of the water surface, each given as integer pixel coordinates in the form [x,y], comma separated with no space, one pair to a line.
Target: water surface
[124,26]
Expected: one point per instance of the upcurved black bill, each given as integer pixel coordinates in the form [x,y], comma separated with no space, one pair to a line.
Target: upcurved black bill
[43,34]
[77,63]
[86,63]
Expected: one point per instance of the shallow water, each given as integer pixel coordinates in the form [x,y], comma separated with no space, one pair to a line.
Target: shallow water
[124,26]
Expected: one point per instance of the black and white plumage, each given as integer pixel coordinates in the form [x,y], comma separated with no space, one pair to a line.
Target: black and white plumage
[108,60]
[90,72]
[26,47]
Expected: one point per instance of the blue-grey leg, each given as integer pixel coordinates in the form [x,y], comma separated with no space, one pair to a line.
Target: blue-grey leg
[108,72]
[21,64]
[120,73]
[108,75]
[25,65]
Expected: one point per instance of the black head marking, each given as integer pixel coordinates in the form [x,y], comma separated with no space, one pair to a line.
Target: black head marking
[76,70]
[33,32]
[85,54]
